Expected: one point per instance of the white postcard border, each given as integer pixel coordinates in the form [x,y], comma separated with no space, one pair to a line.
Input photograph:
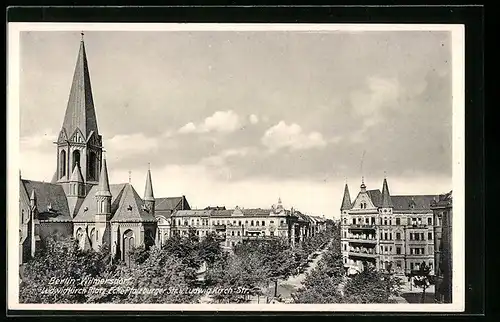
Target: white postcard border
[458,90]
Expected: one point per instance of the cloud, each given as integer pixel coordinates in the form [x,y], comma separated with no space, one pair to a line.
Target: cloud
[254,119]
[291,136]
[370,103]
[220,121]
[131,144]
[188,128]
[221,158]
[40,140]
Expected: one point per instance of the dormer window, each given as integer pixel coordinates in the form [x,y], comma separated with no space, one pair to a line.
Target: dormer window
[129,208]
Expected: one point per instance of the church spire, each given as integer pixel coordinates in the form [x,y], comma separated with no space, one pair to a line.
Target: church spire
[346,200]
[103,188]
[80,113]
[148,191]
[386,196]
[77,176]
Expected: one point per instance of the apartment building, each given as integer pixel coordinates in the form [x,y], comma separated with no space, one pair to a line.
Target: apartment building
[391,232]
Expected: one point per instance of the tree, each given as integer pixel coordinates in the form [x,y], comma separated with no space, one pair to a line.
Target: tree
[61,261]
[209,249]
[161,278]
[370,286]
[422,278]
[237,277]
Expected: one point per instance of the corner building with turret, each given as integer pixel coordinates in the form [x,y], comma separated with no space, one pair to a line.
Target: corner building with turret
[391,232]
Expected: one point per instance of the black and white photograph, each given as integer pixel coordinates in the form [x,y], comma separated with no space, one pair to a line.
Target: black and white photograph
[236,167]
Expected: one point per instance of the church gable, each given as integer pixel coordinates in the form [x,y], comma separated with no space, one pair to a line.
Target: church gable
[63,137]
[88,209]
[131,208]
[78,136]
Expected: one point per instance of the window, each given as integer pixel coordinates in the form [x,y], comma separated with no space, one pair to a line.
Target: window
[239,223]
[411,266]
[381,249]
[385,221]
[234,222]
[429,221]
[345,247]
[264,223]
[62,164]
[238,233]
[380,235]
[390,249]
[385,236]
[76,159]
[218,222]
[398,264]
[367,220]
[271,233]
[246,222]
[398,250]
[385,249]
[232,233]
[390,236]
[390,222]
[373,220]
[282,223]
[251,223]
[398,221]
[272,221]
[354,221]
[398,236]
[92,165]
[417,236]
[256,223]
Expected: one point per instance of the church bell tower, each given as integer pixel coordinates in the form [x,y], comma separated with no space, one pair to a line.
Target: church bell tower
[79,142]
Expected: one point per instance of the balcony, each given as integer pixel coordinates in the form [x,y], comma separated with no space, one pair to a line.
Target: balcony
[362,254]
[362,240]
[257,229]
[417,226]
[219,227]
[361,226]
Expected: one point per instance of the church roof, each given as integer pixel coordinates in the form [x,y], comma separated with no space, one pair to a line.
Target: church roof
[88,209]
[131,208]
[148,191]
[80,113]
[51,201]
[171,203]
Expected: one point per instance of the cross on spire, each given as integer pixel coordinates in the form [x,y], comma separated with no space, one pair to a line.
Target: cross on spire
[129,176]
[82,34]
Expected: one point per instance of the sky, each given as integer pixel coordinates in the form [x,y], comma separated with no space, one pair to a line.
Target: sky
[231,118]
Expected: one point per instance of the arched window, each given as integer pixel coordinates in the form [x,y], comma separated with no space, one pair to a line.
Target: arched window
[128,245]
[92,166]
[149,239]
[92,237]
[62,164]
[76,159]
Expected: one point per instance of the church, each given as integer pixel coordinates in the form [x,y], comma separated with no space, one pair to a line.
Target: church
[80,201]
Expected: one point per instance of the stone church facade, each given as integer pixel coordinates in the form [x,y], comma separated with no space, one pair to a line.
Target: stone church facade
[80,201]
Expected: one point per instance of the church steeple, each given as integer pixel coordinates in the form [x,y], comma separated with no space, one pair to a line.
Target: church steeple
[79,140]
[148,191]
[386,196]
[149,199]
[346,200]
[80,113]
[103,188]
